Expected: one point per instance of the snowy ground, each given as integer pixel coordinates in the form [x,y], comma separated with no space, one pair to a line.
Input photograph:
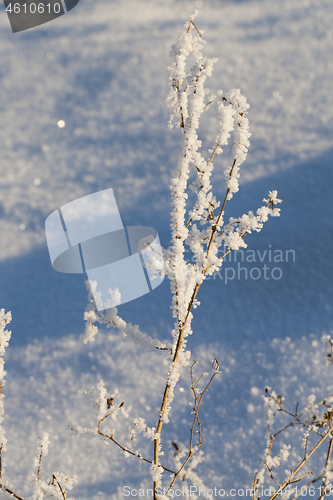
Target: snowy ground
[102,69]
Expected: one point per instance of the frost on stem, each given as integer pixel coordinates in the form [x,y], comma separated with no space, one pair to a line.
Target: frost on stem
[5,319]
[56,487]
[41,489]
[199,227]
[139,426]
[106,404]
[316,423]
[111,319]
[189,477]
[186,101]
[192,456]
[42,450]
[156,472]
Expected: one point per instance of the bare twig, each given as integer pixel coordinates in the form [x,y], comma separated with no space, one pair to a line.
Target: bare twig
[210,160]
[192,24]
[1,478]
[197,402]
[301,464]
[10,492]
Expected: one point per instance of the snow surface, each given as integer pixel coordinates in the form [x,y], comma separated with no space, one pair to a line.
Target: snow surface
[102,69]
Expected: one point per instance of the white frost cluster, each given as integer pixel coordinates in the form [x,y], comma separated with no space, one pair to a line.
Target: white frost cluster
[99,399]
[106,404]
[173,377]
[42,448]
[67,482]
[150,249]
[233,117]
[271,407]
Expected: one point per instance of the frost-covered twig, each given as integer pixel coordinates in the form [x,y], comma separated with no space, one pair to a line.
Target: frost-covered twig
[189,477]
[312,422]
[40,487]
[327,475]
[186,101]
[5,319]
[11,492]
[205,232]
[198,395]
[111,319]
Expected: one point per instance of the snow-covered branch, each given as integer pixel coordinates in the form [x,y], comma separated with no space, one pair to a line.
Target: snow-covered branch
[316,422]
[111,319]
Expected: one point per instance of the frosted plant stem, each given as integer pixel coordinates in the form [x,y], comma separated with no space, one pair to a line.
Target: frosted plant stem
[1,478]
[60,488]
[180,339]
[7,490]
[192,24]
[230,249]
[39,464]
[186,101]
[210,160]
[179,345]
[328,459]
[165,401]
[197,403]
[125,450]
[291,479]
[167,388]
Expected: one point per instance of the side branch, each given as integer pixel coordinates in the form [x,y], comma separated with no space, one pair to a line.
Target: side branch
[126,450]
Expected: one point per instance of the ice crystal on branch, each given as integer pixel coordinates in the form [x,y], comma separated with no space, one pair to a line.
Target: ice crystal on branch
[5,319]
